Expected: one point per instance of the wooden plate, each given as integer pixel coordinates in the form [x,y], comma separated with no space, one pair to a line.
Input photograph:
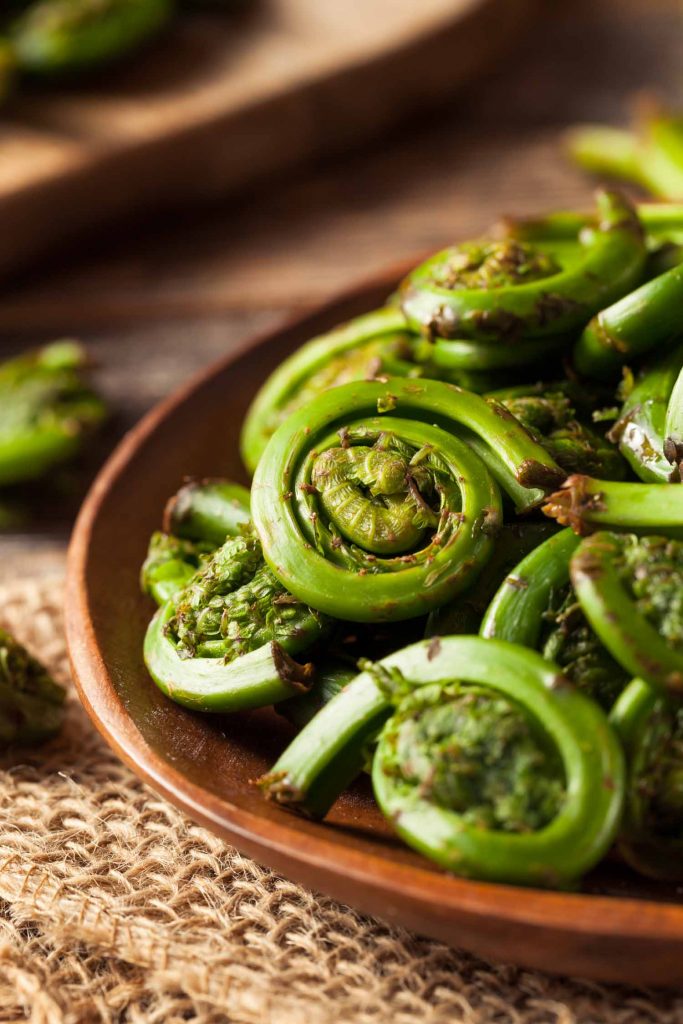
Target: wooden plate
[619,928]
[219,101]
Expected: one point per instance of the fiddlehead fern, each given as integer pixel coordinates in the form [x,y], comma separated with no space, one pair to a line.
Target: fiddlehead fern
[208,510]
[646,319]
[491,763]
[651,155]
[641,430]
[197,520]
[536,606]
[588,505]
[514,289]
[223,642]
[548,414]
[65,36]
[631,591]
[377,344]
[651,728]
[382,517]
[46,410]
[31,702]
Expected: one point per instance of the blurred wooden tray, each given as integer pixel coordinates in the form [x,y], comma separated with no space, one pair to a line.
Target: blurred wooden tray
[219,101]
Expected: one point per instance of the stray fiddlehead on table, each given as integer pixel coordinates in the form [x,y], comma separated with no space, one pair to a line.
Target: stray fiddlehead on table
[483,763]
[31,702]
[46,410]
[369,512]
[58,37]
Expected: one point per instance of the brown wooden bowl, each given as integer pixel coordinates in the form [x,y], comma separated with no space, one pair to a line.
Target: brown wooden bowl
[619,927]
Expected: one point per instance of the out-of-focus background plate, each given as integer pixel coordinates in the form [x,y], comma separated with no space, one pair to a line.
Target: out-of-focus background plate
[221,100]
[619,928]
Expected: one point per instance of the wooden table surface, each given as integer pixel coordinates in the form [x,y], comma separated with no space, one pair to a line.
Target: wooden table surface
[155,302]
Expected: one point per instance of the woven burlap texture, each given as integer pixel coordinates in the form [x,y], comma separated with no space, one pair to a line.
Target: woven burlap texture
[115,907]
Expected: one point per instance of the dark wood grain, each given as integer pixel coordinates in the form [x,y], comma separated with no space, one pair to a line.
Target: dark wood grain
[619,929]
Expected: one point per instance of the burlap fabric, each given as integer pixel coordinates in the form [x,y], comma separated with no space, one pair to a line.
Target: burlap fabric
[115,907]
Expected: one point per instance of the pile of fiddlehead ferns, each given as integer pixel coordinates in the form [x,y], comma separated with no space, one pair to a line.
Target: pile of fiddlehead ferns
[397,581]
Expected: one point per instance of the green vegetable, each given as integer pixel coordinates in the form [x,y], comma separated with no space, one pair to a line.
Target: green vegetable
[641,429]
[491,764]
[380,518]
[31,703]
[330,678]
[208,510]
[536,606]
[651,729]
[587,504]
[46,411]
[651,155]
[511,290]
[646,319]
[376,344]
[465,613]
[68,36]
[631,591]
[170,564]
[222,642]
[548,414]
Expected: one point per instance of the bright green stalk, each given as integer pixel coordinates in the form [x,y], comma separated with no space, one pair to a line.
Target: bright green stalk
[517,611]
[587,505]
[646,319]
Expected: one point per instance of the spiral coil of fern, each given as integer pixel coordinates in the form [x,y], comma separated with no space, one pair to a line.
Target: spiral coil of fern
[368,512]
[512,290]
[460,767]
